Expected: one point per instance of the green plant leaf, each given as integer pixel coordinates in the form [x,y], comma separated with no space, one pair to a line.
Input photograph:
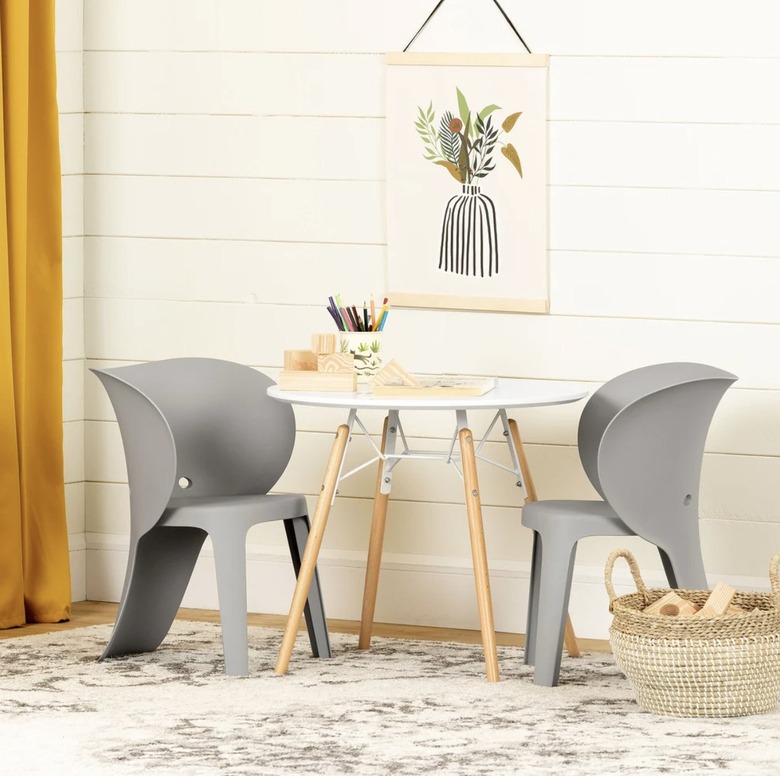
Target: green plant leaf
[463,108]
[452,169]
[485,112]
[450,141]
[510,152]
[510,121]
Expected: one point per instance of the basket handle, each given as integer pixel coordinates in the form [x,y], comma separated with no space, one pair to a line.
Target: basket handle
[774,565]
[634,567]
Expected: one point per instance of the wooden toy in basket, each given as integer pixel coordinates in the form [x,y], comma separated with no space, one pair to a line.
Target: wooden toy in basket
[699,665]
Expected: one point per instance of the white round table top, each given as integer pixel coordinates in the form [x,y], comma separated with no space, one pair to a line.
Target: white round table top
[507,393]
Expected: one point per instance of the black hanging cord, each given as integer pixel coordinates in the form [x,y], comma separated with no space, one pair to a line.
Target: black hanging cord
[441,2]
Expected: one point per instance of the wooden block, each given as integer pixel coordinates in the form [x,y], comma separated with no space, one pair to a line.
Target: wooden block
[718,602]
[300,360]
[671,599]
[336,362]
[317,381]
[734,609]
[323,343]
[391,372]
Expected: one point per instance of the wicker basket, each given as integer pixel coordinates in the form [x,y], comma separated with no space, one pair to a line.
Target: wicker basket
[722,666]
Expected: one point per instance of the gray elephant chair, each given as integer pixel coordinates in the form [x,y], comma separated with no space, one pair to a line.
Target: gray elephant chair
[204,444]
[641,442]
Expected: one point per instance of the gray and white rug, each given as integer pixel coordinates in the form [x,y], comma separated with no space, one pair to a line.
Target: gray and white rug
[405,707]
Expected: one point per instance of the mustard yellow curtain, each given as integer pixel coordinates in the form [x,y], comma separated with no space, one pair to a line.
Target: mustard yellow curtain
[34,570]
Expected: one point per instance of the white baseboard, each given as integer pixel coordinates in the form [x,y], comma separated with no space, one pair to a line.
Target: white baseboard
[413,589]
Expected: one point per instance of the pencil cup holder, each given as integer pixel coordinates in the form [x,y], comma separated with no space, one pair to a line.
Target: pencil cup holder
[366,346]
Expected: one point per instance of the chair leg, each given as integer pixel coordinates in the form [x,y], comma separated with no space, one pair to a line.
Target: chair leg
[684,565]
[533,602]
[230,565]
[159,569]
[479,553]
[297,530]
[572,647]
[309,560]
[374,560]
[554,587]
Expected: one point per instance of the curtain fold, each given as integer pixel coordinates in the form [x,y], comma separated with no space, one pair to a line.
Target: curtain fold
[34,564]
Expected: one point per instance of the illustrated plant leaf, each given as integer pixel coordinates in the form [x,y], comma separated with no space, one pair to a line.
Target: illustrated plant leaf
[452,169]
[464,165]
[463,108]
[450,141]
[510,121]
[480,126]
[510,152]
[486,111]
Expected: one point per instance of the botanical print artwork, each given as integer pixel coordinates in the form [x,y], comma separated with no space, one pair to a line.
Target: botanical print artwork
[464,146]
[466,181]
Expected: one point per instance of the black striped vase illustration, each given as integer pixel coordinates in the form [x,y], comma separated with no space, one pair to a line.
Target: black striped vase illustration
[469,234]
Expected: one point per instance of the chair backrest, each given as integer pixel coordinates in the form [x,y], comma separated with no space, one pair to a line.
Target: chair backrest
[197,427]
[641,442]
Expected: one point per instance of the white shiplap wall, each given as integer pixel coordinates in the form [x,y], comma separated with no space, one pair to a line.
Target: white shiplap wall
[70,95]
[234,177]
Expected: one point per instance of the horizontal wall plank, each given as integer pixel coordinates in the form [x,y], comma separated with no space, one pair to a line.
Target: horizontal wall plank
[611,27]
[601,27]
[74,507]
[622,154]
[666,89]
[586,349]
[70,89]
[213,208]
[72,267]
[68,25]
[249,83]
[735,223]
[711,90]
[706,288]
[73,450]
[72,206]
[739,426]
[542,347]
[264,25]
[72,143]
[657,155]
[734,488]
[72,390]
[73,329]
[233,271]
[235,146]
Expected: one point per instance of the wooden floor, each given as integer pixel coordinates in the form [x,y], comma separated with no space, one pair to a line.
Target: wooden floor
[85,613]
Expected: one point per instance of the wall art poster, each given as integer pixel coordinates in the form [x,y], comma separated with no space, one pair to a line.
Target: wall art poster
[467,181]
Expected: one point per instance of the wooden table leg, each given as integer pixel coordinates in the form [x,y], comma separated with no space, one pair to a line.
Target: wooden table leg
[374,552]
[313,544]
[479,553]
[569,637]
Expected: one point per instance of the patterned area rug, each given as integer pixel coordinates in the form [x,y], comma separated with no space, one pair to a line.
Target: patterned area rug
[405,707]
